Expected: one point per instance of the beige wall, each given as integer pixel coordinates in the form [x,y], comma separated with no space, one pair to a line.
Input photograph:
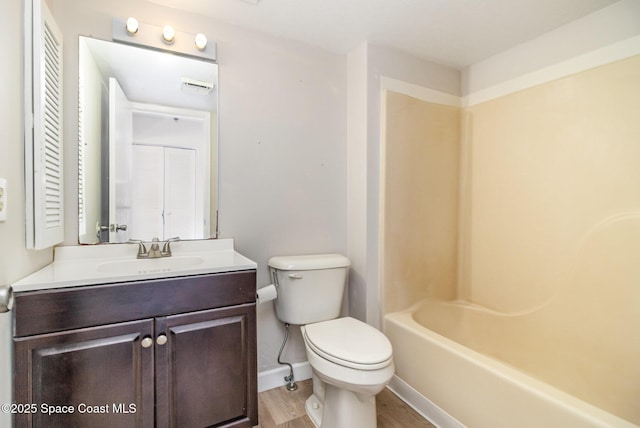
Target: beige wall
[548,165]
[420,220]
[541,170]
[554,229]
[367,67]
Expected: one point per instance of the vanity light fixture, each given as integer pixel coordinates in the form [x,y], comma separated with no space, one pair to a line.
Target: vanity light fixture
[165,38]
[168,34]
[201,41]
[132,26]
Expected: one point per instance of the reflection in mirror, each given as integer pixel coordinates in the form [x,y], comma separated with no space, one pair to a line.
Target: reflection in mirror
[147,152]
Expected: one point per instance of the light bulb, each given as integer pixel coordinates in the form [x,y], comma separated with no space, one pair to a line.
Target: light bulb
[132,26]
[168,34]
[201,41]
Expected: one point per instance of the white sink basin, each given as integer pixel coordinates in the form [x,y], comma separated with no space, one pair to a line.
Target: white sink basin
[163,264]
[82,265]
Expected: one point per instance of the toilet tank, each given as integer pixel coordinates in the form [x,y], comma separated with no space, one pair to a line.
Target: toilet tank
[310,288]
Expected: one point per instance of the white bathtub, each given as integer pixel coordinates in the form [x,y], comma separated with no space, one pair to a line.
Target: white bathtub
[473,389]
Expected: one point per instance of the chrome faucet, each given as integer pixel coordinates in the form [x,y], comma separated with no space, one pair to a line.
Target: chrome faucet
[154,251]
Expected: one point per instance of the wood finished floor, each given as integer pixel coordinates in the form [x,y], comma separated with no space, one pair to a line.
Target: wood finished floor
[279,408]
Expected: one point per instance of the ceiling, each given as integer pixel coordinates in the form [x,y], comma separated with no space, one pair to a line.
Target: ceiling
[154,77]
[456,33]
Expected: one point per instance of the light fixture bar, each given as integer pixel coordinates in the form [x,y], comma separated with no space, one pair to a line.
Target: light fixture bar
[152,36]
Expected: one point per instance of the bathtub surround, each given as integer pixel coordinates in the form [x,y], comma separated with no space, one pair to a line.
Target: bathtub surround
[420,195]
[560,158]
[549,221]
[608,35]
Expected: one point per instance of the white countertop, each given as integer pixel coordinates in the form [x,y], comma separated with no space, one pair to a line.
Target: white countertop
[102,264]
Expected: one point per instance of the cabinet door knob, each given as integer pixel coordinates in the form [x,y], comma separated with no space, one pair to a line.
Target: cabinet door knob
[161,340]
[146,342]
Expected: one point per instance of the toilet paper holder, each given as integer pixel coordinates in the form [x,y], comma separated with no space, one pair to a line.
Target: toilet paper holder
[6,298]
[266,294]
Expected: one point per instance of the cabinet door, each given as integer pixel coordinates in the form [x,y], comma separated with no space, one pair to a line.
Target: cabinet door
[92,377]
[206,371]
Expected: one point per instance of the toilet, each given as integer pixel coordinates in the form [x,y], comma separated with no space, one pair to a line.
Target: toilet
[351,360]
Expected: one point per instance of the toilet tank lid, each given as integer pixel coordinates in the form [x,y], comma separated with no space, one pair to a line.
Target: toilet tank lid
[309,262]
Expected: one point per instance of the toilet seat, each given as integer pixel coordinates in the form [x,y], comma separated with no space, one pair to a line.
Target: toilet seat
[349,343]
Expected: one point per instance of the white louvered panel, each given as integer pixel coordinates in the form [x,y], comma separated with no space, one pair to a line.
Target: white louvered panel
[48,204]
[52,130]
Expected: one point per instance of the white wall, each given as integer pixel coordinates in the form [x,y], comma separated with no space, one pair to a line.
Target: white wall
[357,179]
[282,150]
[15,261]
[282,160]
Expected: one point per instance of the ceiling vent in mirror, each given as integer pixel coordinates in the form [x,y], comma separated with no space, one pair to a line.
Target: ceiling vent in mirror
[197,86]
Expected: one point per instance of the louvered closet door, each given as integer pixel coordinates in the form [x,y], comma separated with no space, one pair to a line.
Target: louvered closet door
[48,210]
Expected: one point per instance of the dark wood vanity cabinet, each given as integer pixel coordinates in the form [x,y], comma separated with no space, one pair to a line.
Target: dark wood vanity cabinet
[177,352]
[103,366]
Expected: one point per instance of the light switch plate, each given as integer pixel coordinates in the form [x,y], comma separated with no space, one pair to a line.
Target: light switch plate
[3,199]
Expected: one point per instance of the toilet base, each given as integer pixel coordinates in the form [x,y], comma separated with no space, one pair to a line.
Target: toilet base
[342,409]
[314,408]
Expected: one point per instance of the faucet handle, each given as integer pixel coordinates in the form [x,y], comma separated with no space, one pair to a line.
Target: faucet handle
[166,248]
[142,250]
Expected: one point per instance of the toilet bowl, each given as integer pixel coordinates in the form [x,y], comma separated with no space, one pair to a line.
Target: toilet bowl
[351,363]
[351,360]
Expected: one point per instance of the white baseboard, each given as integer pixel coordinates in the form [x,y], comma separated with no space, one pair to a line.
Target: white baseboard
[422,404]
[274,378]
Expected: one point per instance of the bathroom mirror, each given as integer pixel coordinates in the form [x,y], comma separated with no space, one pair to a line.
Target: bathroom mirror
[147,144]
